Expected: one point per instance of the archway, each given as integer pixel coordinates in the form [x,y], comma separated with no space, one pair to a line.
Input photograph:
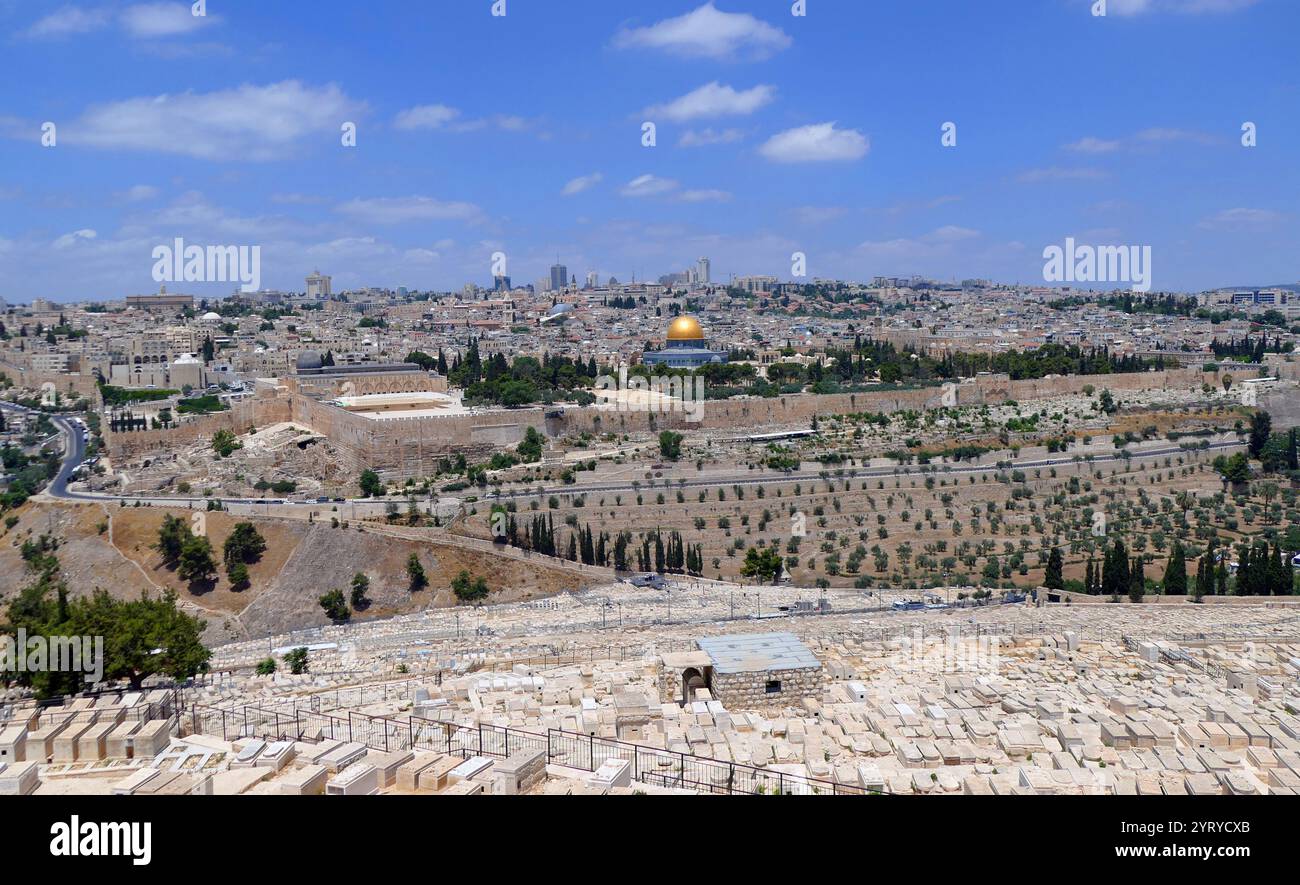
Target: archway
[692,681]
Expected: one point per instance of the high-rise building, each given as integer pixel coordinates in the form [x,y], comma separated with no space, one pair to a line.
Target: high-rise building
[559,277]
[319,285]
[593,280]
[703,269]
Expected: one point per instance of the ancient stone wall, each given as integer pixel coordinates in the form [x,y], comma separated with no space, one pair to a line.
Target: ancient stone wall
[797,410]
[257,412]
[748,691]
[79,385]
[401,448]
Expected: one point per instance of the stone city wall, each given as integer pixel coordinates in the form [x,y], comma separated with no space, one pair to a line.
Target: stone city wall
[401,448]
[257,412]
[797,410]
[64,383]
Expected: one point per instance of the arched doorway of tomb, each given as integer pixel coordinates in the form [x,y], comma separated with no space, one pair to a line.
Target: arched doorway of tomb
[692,681]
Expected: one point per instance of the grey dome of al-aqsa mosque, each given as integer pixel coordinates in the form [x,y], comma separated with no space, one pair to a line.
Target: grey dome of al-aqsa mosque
[309,359]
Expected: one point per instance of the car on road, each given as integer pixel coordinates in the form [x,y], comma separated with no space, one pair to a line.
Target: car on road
[647,580]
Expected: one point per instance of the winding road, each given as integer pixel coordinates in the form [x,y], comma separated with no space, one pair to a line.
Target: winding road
[75,454]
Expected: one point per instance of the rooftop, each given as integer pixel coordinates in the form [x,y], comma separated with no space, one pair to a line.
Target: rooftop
[753,652]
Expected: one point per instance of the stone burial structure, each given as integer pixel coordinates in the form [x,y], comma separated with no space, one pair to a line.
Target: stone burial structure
[749,671]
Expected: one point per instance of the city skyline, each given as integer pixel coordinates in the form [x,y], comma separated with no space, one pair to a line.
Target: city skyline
[775,134]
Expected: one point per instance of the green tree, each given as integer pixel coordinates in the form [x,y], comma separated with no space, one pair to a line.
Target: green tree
[1137,581]
[1054,577]
[224,443]
[196,565]
[371,485]
[147,637]
[1261,428]
[530,450]
[1175,582]
[765,564]
[237,574]
[172,535]
[266,667]
[297,660]
[360,586]
[336,606]
[244,544]
[670,445]
[469,589]
[1115,571]
[415,571]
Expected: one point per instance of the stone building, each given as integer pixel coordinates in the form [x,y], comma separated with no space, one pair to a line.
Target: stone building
[748,671]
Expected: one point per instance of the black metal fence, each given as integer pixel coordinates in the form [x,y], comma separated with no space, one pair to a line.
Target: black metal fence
[584,752]
[681,770]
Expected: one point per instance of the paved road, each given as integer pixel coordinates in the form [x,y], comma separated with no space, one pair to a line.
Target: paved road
[58,488]
[767,478]
[74,448]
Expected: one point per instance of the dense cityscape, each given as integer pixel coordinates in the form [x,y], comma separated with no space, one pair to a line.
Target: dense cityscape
[303,520]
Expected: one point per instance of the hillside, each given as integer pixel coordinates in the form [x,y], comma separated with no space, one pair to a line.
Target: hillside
[110,547]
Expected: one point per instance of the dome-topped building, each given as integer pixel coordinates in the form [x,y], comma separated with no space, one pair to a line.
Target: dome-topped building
[685,328]
[309,359]
[685,348]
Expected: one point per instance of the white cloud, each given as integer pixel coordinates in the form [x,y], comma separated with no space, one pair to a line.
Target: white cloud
[1241,219]
[77,236]
[69,20]
[142,20]
[708,33]
[1127,8]
[139,193]
[582,183]
[1158,135]
[402,210]
[705,196]
[1090,145]
[247,123]
[163,20]
[294,199]
[1144,139]
[713,100]
[936,243]
[648,186]
[1060,173]
[951,234]
[707,137]
[426,116]
[449,119]
[819,143]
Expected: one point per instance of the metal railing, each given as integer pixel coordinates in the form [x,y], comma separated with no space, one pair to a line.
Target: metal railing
[650,765]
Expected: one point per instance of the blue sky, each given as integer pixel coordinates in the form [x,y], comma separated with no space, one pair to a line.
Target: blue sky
[523,134]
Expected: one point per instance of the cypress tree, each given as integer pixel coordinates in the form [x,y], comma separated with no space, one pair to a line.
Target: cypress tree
[1137,580]
[1175,583]
[1054,579]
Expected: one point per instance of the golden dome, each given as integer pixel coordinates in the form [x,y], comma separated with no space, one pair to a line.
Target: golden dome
[685,328]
